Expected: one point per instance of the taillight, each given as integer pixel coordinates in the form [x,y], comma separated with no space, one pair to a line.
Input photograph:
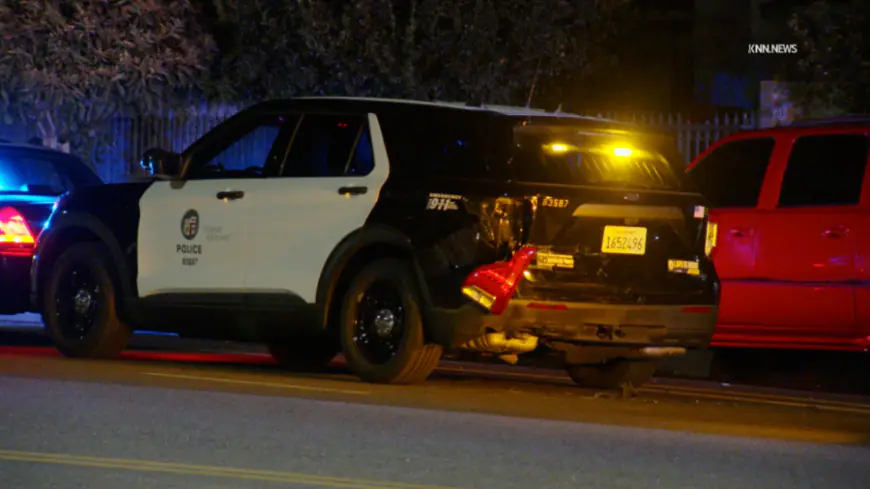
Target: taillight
[492,286]
[15,235]
[712,235]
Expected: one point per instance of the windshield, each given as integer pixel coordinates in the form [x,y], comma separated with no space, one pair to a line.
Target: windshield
[566,155]
[40,172]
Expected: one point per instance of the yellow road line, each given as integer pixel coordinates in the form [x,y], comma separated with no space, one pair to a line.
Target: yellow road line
[278,385]
[205,470]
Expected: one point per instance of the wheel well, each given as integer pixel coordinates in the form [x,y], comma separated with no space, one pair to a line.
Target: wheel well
[360,259]
[65,238]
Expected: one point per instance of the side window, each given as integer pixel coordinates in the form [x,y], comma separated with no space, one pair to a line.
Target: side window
[825,170]
[330,146]
[436,145]
[252,147]
[732,174]
[455,150]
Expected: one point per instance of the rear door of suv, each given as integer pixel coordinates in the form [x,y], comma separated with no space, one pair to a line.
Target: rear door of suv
[325,189]
[732,175]
[807,246]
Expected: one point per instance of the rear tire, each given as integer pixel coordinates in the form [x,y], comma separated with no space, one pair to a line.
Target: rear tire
[612,375]
[381,326]
[79,304]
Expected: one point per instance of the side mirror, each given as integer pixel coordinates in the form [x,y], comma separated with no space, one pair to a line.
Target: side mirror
[161,162]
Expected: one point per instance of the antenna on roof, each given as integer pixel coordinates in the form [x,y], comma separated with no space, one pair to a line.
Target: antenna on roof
[534,83]
[558,109]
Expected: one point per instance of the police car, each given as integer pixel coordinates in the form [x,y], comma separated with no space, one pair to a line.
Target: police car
[393,231]
[31,179]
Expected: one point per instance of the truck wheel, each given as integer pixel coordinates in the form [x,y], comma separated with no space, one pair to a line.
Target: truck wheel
[381,326]
[612,375]
[305,354]
[79,304]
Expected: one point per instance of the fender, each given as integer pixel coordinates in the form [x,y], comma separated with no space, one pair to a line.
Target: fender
[49,239]
[369,235]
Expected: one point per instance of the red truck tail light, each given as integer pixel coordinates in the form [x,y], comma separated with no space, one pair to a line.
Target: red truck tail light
[492,286]
[15,235]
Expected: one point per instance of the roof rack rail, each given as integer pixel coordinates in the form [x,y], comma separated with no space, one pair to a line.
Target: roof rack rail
[839,120]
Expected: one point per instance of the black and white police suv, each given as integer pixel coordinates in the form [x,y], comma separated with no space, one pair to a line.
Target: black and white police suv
[393,231]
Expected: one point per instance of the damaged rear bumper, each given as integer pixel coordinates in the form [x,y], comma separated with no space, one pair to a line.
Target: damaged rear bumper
[689,326]
[670,327]
[496,316]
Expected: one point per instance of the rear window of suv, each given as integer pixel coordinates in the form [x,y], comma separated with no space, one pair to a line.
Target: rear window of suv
[34,171]
[572,156]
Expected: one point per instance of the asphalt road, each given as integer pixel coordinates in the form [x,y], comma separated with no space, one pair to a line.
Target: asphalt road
[195,420]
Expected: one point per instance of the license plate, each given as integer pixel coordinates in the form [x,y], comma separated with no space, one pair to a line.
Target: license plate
[624,240]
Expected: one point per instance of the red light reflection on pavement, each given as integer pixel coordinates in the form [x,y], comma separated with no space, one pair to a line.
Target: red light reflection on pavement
[31,351]
[249,359]
[151,356]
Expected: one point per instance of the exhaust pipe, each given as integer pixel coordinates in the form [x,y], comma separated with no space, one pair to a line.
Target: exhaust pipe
[661,351]
[509,358]
[502,344]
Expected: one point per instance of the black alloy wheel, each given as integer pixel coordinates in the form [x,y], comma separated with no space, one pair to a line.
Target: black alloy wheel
[78,304]
[381,326]
[380,323]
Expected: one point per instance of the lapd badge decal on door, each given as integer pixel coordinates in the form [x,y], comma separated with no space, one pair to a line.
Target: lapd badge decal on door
[190,224]
[189,229]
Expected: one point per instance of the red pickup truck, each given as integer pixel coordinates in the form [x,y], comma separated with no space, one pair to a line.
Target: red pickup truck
[792,211]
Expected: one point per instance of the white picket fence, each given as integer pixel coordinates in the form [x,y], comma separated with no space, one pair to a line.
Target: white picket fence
[176,130]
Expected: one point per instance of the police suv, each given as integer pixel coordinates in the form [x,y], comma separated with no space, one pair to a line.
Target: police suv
[392,231]
[31,179]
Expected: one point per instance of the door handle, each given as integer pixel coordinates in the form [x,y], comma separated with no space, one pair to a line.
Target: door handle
[230,195]
[353,190]
[835,232]
[740,233]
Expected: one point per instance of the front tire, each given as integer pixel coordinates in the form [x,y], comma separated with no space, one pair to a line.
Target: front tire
[79,304]
[381,326]
[612,375]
